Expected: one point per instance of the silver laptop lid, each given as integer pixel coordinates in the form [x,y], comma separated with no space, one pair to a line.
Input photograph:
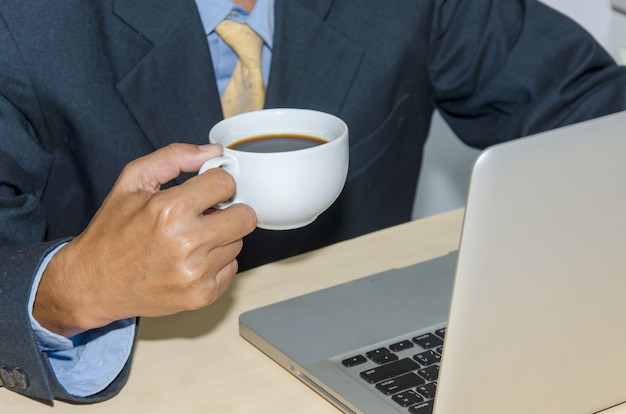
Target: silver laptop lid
[544,239]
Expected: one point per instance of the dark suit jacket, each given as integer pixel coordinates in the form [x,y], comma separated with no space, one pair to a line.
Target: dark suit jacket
[86,86]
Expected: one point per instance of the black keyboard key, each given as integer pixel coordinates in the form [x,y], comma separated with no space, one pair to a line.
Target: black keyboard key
[423,408]
[384,358]
[427,358]
[399,346]
[430,373]
[377,352]
[401,383]
[441,333]
[407,398]
[354,361]
[427,390]
[390,370]
[428,341]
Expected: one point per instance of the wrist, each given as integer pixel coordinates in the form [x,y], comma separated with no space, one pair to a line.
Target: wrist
[60,304]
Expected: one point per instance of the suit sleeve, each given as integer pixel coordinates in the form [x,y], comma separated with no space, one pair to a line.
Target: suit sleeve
[506,69]
[24,168]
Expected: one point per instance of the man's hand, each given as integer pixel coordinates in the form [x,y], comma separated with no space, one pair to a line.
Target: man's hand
[148,252]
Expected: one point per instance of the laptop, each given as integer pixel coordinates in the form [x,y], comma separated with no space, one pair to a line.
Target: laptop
[527,317]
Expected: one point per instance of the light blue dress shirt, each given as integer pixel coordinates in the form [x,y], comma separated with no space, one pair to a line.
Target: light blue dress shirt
[89,362]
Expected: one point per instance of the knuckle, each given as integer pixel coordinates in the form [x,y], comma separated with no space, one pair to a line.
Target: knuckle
[188,275]
[168,210]
[212,286]
[174,149]
[201,297]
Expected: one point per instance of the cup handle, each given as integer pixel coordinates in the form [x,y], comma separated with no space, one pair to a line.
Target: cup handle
[229,164]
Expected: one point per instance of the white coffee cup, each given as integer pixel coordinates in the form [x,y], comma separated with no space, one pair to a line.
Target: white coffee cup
[287,189]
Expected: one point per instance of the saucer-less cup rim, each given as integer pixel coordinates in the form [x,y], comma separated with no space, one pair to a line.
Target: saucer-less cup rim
[238,135]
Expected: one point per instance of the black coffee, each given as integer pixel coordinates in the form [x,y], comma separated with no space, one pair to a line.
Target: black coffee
[277,143]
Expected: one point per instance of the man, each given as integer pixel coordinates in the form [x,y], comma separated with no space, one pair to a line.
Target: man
[89,87]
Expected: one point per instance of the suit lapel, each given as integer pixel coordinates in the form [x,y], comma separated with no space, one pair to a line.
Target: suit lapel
[171,90]
[313,65]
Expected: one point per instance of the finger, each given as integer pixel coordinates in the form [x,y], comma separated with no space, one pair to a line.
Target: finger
[151,171]
[212,288]
[216,281]
[222,280]
[224,227]
[203,191]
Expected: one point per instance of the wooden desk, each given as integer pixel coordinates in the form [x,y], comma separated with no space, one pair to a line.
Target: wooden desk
[196,362]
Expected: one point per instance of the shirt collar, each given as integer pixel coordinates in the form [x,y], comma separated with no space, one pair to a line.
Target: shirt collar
[261,19]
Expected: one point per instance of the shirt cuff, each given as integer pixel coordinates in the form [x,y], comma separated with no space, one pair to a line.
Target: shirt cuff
[87,363]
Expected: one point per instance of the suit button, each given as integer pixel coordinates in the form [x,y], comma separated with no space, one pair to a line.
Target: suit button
[7,377]
[21,379]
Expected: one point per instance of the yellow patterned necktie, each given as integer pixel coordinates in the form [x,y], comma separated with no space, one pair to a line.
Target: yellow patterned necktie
[245,92]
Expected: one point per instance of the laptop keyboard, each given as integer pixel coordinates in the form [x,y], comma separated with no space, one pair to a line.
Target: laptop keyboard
[405,371]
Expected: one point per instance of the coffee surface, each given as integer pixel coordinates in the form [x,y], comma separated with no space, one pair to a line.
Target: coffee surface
[277,143]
